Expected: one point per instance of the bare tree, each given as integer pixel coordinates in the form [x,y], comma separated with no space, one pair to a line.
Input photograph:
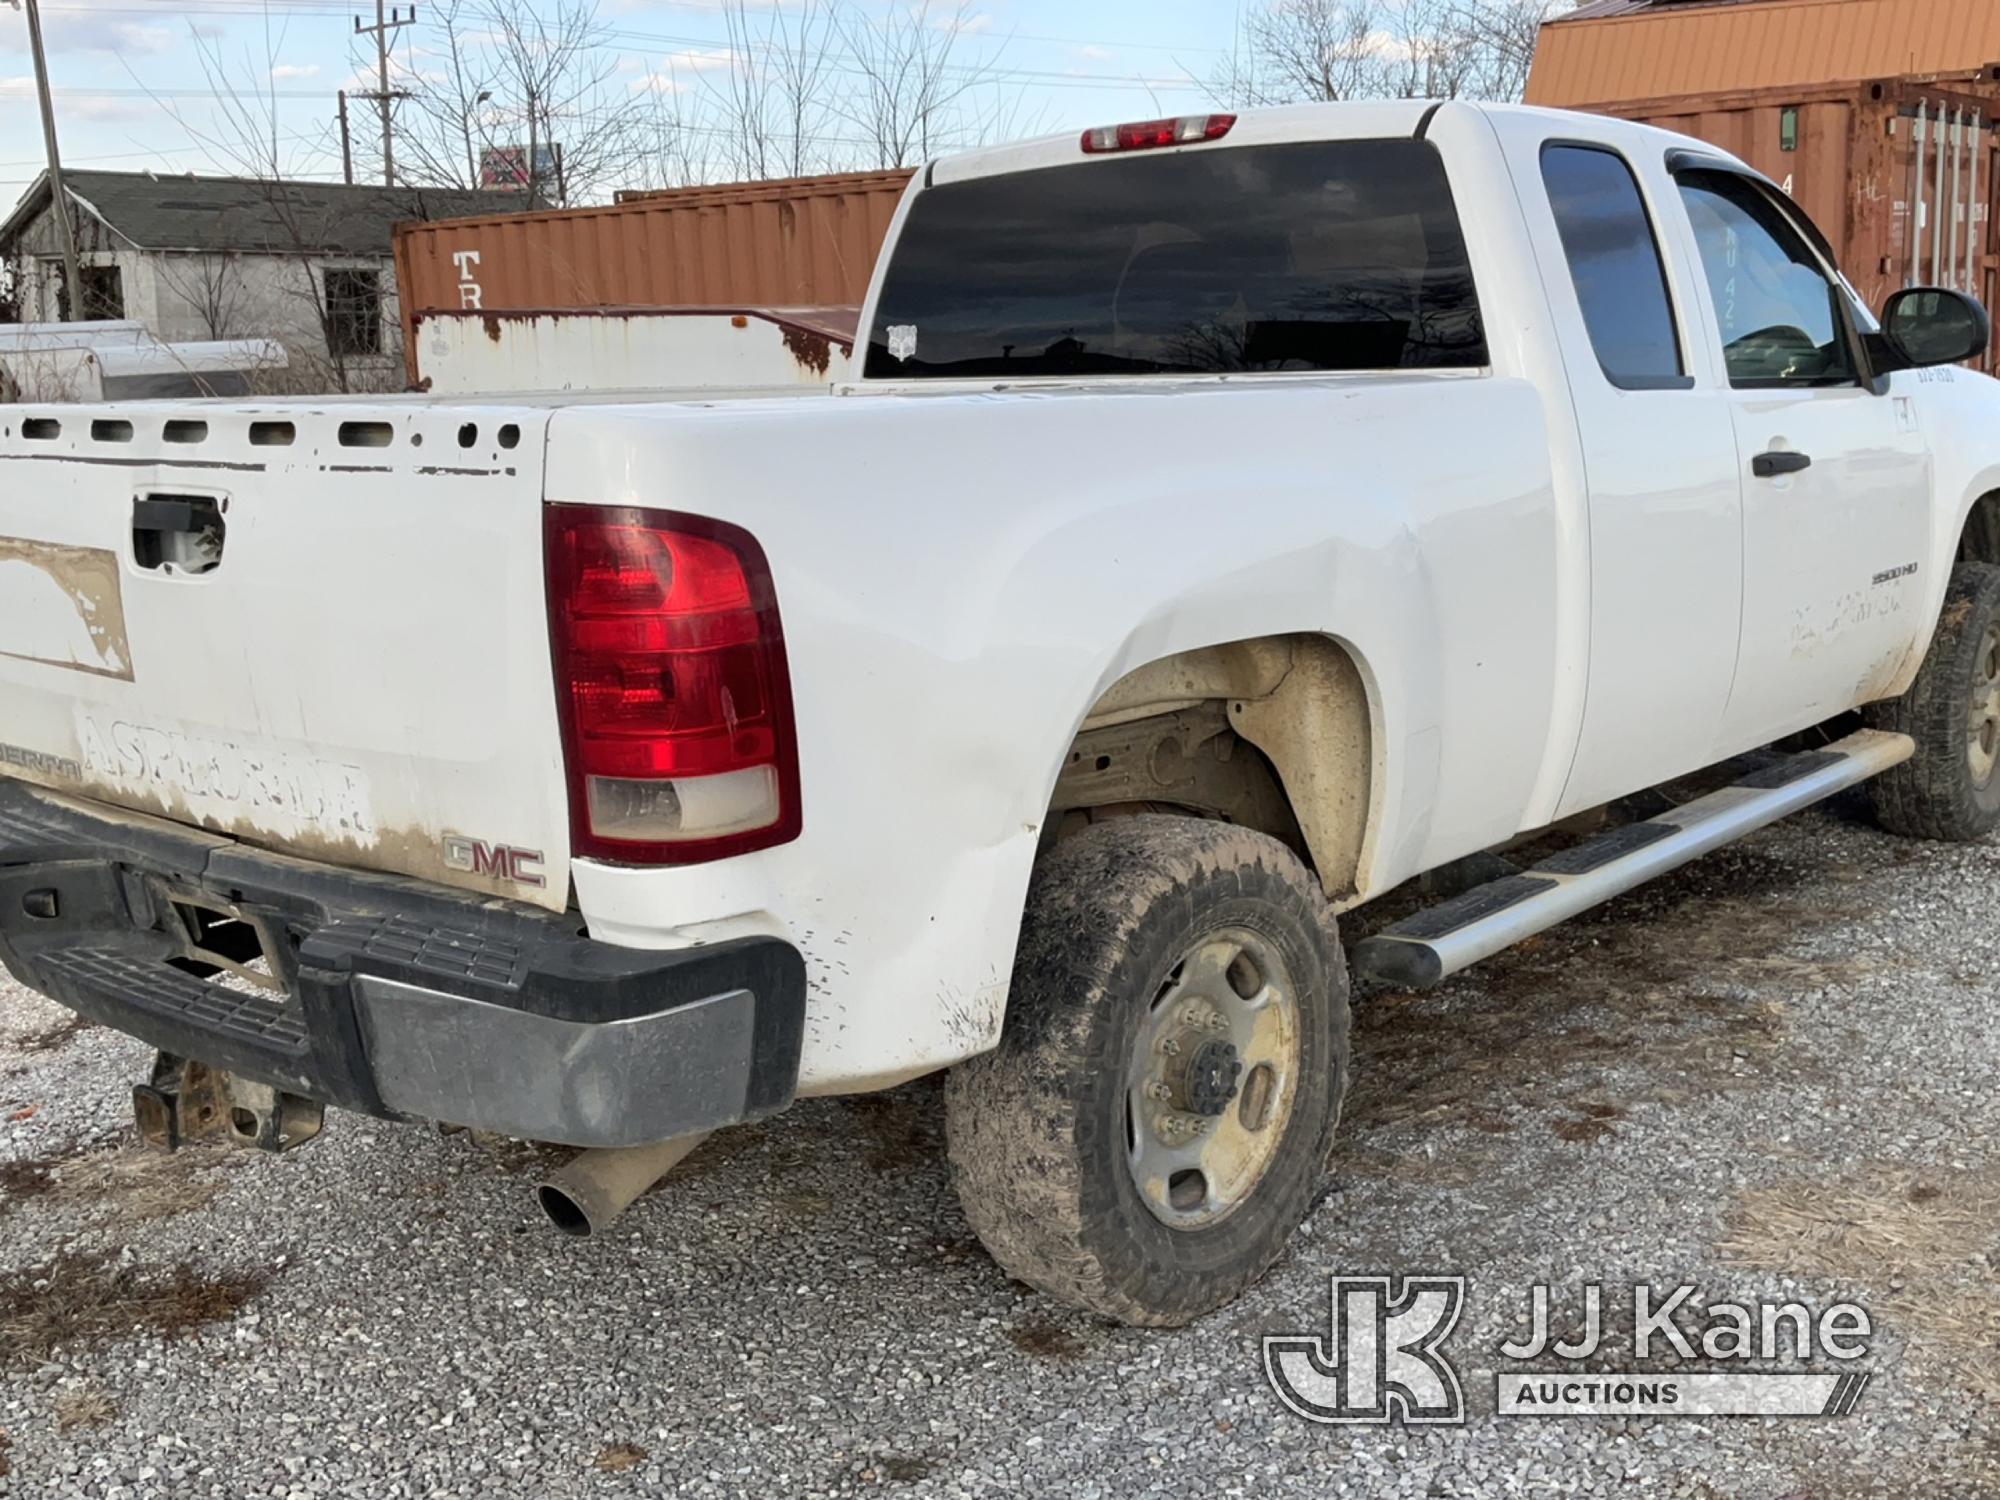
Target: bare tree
[799,59]
[776,95]
[441,134]
[1312,49]
[807,86]
[912,99]
[1424,51]
[1505,33]
[1293,50]
[211,286]
[538,84]
[673,147]
[559,89]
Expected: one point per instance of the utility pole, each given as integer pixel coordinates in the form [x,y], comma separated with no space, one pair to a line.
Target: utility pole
[385,23]
[58,195]
[346,144]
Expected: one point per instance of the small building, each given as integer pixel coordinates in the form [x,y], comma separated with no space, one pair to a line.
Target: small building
[212,258]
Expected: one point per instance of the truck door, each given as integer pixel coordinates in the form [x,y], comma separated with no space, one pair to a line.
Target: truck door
[1660,473]
[1836,475]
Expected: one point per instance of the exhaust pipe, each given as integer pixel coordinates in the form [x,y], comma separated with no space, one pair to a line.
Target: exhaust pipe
[588,1195]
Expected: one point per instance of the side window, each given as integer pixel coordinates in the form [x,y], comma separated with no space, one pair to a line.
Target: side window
[353,312]
[1614,260]
[1776,307]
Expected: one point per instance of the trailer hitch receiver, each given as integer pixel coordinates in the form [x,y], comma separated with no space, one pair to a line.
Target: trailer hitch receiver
[186,1101]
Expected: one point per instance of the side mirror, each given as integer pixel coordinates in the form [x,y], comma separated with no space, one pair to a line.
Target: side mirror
[1928,325]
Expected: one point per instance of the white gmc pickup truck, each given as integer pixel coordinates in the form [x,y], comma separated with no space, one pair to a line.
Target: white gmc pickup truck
[1231,519]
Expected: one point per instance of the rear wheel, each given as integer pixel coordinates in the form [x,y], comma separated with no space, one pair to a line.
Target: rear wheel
[1951,788]
[1158,1115]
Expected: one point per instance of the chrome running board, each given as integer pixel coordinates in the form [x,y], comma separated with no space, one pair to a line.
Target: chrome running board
[1421,950]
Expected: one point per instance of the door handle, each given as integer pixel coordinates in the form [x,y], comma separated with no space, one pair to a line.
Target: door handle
[1771,465]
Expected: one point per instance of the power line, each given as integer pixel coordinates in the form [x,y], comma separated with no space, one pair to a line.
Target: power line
[842,59]
[967,73]
[322,8]
[304,135]
[1068,77]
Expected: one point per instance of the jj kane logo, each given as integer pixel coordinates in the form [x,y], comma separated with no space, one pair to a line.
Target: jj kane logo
[1382,1358]
[1381,1361]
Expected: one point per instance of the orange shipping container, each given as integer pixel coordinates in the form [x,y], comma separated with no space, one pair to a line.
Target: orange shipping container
[798,242]
[1902,175]
[1877,116]
[1612,51]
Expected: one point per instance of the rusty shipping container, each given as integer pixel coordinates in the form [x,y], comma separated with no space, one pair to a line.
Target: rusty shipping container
[1900,173]
[798,242]
[1610,51]
[1875,115]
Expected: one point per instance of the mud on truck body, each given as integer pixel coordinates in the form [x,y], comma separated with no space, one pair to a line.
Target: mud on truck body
[1230,520]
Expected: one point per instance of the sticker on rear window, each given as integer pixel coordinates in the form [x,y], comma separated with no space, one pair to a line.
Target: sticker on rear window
[903,341]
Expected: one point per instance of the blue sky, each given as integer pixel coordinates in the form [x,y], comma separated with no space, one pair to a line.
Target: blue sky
[124,69]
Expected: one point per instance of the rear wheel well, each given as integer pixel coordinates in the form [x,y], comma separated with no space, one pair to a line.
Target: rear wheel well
[1271,734]
[1980,540]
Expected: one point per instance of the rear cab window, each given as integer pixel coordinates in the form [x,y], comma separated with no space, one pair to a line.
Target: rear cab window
[1306,256]
[1615,265]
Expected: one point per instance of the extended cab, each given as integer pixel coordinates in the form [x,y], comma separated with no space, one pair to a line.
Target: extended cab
[1231,519]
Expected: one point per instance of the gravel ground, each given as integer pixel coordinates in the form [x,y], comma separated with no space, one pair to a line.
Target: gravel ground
[1772,1074]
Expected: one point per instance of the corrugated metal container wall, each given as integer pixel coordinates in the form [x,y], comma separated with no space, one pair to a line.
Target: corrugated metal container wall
[1899,174]
[800,242]
[1676,50]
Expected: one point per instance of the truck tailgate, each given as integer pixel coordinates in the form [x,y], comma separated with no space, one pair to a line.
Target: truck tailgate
[318,629]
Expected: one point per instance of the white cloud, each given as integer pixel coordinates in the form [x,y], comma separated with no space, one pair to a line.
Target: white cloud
[712,61]
[714,6]
[285,72]
[88,31]
[77,106]
[677,72]
[401,75]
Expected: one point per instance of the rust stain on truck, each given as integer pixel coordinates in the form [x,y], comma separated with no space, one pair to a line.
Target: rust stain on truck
[812,349]
[73,607]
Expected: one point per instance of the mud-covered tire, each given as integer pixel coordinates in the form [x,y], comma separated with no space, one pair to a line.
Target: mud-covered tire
[1037,1129]
[1948,790]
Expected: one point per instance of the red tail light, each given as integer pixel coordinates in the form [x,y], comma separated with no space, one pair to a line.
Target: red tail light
[675,701]
[1147,135]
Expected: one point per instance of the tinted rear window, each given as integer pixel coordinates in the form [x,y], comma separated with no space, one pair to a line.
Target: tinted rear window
[1324,255]
[1614,259]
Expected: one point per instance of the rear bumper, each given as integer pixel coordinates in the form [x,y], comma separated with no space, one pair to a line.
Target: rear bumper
[392,997]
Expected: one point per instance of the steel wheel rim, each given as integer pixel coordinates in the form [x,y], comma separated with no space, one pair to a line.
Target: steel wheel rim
[1230,1000]
[1982,736]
